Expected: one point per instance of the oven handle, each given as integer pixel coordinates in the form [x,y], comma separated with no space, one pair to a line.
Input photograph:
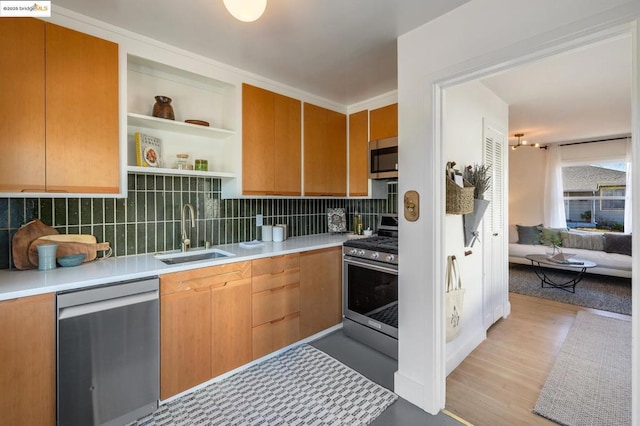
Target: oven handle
[369,265]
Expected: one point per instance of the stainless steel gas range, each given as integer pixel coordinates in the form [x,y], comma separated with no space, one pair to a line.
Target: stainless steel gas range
[370,283]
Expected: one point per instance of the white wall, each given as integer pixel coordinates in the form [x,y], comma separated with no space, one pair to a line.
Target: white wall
[526,185]
[466,107]
[477,36]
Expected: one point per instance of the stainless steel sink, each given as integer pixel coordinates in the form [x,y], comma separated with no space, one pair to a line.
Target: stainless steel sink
[192,256]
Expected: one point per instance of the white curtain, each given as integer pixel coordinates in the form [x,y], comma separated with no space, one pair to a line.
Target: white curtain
[627,192]
[554,215]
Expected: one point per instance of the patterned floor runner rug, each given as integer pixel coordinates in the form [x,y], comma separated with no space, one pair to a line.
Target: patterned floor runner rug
[590,382]
[302,386]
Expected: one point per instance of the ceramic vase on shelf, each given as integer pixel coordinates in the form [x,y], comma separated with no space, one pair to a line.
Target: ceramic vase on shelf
[162,108]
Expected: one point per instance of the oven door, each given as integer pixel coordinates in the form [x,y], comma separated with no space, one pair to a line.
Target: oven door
[371,294]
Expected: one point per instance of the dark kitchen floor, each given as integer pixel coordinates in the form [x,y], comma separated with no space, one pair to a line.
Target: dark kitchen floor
[379,368]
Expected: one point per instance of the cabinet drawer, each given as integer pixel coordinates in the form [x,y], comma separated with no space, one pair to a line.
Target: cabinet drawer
[276,303]
[276,264]
[275,335]
[275,280]
[202,278]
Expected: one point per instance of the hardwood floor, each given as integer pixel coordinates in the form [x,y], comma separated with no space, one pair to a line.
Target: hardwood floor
[499,382]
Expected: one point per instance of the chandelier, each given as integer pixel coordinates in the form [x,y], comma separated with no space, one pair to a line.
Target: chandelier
[523,143]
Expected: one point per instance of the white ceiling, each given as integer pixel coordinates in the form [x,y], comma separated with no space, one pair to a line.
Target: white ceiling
[341,50]
[580,95]
[345,51]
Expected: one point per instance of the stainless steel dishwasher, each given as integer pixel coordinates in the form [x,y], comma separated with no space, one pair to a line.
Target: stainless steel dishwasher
[108,358]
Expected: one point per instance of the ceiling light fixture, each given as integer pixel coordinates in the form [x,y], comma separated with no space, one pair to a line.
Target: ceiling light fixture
[523,143]
[246,10]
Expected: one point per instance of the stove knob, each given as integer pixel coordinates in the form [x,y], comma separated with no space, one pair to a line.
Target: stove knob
[360,252]
[375,255]
[390,258]
[353,252]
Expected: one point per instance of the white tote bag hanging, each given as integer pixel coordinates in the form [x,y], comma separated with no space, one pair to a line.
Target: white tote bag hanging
[454,298]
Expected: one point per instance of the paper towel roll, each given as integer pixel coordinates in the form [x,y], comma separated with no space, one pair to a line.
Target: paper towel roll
[267,233]
[278,234]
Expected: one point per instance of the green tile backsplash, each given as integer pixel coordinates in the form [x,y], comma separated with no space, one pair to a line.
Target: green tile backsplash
[148,220]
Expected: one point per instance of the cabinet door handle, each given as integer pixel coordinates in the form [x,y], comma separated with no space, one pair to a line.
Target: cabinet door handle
[210,276]
[224,284]
[277,320]
[277,289]
[278,273]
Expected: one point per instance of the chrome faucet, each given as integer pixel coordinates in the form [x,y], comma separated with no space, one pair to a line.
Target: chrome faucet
[186,242]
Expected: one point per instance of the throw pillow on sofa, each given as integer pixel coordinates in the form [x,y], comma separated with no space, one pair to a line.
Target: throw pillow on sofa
[529,234]
[617,243]
[551,236]
[585,241]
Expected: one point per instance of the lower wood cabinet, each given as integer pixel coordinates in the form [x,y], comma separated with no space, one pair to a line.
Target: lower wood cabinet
[215,319]
[275,303]
[231,326]
[27,361]
[320,290]
[276,334]
[205,324]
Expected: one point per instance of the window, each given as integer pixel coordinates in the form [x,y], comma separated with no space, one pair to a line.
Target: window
[594,195]
[609,192]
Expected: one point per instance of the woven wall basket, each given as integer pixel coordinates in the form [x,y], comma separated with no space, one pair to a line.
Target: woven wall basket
[459,200]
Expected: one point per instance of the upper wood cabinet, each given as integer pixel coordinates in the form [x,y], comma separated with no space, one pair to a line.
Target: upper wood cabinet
[22,163]
[325,152]
[60,129]
[384,122]
[28,359]
[359,153]
[271,146]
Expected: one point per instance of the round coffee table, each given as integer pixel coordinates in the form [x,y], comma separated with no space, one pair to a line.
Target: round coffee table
[576,267]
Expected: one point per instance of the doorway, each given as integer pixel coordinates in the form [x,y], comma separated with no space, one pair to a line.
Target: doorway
[533,211]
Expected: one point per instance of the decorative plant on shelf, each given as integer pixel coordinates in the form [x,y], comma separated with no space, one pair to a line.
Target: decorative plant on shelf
[480,177]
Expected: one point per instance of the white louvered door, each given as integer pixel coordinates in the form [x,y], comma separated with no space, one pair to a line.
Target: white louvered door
[496,273]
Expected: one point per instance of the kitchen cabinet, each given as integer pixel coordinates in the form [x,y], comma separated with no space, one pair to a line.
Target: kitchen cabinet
[205,324]
[27,356]
[62,101]
[275,285]
[320,290]
[325,152]
[383,122]
[194,96]
[271,145]
[359,153]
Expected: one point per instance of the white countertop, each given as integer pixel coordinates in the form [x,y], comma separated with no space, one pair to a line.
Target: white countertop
[14,283]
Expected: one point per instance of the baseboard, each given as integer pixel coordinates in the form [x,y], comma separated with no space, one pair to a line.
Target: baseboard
[454,358]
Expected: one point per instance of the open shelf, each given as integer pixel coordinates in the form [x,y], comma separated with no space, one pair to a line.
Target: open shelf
[177,172]
[149,122]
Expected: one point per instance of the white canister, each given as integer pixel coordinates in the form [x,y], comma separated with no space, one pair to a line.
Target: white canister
[267,233]
[278,234]
[284,230]
[47,256]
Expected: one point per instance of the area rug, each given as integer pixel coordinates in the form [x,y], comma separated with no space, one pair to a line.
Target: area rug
[611,294]
[590,382]
[302,386]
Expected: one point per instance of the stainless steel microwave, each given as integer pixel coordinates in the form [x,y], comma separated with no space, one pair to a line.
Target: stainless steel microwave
[383,158]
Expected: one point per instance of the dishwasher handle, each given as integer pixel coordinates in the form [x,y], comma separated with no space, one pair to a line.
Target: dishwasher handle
[104,305]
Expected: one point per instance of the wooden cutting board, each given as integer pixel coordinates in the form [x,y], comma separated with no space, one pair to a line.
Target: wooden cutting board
[69,244]
[24,236]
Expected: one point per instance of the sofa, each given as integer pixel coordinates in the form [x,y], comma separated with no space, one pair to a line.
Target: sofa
[610,251]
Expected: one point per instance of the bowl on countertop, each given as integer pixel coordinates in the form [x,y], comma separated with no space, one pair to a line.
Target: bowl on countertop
[72,260]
